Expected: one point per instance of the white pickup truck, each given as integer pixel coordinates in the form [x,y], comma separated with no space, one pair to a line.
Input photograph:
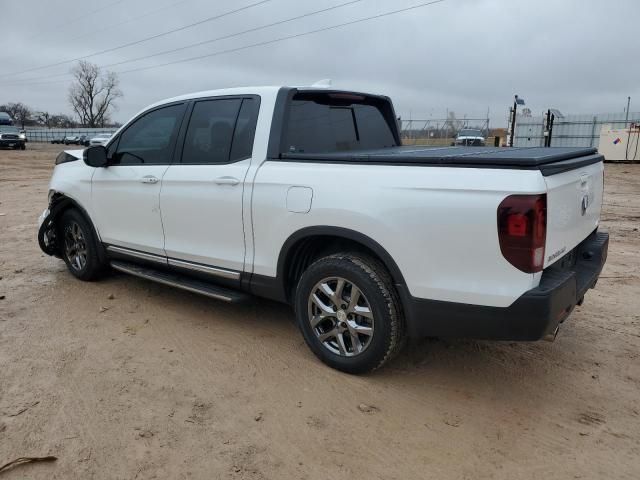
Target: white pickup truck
[306,196]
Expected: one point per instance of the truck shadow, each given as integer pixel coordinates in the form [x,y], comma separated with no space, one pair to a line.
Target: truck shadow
[423,364]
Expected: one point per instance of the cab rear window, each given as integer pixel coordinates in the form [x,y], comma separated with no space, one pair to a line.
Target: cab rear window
[337,122]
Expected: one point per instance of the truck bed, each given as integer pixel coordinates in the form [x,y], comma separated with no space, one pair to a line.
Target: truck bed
[548,160]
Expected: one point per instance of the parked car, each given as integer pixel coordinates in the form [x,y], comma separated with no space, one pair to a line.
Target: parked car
[83,140]
[11,137]
[100,139]
[71,139]
[306,196]
[58,140]
[470,137]
[5,119]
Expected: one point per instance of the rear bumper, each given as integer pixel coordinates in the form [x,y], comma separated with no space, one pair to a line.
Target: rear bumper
[534,315]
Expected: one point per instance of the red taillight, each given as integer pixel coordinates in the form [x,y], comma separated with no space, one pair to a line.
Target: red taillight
[522,230]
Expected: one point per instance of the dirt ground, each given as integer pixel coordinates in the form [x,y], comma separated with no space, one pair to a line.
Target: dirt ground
[126,379]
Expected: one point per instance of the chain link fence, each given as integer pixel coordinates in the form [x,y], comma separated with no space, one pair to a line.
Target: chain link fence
[49,134]
[438,132]
[569,130]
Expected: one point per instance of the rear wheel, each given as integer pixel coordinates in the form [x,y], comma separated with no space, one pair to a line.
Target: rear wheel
[349,312]
[79,246]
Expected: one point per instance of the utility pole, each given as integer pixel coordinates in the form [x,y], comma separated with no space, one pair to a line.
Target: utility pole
[487,135]
[516,101]
[626,120]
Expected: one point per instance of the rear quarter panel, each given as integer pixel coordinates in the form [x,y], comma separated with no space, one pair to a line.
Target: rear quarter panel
[438,223]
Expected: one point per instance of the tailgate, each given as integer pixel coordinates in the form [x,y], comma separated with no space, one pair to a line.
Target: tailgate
[574,200]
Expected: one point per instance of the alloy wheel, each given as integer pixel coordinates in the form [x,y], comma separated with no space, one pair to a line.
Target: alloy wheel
[340,316]
[75,246]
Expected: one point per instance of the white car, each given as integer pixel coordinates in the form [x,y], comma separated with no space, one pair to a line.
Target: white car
[470,137]
[305,196]
[100,139]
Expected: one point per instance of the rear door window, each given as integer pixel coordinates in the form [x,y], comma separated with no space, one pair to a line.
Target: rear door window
[220,131]
[210,131]
[245,131]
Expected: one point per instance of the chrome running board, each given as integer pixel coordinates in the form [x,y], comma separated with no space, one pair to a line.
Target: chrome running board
[180,281]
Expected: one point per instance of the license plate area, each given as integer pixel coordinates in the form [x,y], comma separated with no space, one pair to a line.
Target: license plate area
[568,261]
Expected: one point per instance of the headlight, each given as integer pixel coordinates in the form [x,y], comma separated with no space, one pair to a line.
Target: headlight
[22,136]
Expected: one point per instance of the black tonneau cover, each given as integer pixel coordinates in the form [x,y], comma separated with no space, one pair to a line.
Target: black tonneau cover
[548,160]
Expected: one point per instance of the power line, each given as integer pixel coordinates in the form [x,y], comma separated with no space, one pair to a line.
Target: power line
[104,7]
[224,37]
[142,40]
[130,20]
[287,37]
[231,35]
[276,40]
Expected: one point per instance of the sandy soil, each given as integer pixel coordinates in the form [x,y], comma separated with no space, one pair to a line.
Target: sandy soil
[158,383]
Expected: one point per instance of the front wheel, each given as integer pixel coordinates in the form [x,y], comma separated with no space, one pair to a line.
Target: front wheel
[349,312]
[79,246]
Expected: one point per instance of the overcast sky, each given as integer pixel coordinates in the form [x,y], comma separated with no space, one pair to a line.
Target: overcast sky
[463,55]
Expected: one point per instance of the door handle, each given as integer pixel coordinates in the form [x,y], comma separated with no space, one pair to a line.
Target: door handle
[227,181]
[149,179]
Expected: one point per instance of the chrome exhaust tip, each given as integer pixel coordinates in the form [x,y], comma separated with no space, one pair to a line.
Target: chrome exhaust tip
[550,337]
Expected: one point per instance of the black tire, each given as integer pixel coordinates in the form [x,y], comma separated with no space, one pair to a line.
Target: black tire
[387,327]
[23,147]
[72,223]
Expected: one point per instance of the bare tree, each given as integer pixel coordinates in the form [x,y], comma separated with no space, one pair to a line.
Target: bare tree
[93,93]
[62,121]
[44,119]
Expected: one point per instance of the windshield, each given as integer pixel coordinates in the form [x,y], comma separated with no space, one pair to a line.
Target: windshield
[469,132]
[7,129]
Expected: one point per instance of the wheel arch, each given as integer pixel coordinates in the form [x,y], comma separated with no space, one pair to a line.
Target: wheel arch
[58,204]
[305,245]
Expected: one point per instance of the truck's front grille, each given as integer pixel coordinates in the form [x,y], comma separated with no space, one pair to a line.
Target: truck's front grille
[9,136]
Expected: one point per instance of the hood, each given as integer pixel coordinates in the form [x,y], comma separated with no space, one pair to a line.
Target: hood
[69,156]
[75,153]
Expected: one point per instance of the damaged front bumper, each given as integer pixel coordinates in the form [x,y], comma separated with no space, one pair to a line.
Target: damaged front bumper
[42,217]
[47,233]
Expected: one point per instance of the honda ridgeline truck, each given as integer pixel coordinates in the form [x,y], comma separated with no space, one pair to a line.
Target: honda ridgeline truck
[307,196]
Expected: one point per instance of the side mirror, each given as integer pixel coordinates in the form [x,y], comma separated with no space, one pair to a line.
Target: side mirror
[95,156]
